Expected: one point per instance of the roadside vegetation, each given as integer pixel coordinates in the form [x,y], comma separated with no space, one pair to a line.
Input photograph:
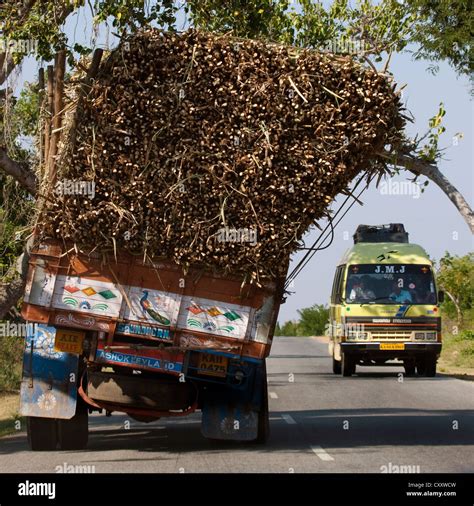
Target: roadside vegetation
[456,278]
[11,350]
[312,322]
[10,420]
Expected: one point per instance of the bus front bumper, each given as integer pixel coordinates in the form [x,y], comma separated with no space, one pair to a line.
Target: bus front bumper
[391,349]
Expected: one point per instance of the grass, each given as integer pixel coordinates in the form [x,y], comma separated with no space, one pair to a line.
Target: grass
[11,354]
[9,417]
[457,355]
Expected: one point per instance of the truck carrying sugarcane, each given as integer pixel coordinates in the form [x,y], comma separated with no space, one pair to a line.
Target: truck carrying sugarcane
[183,171]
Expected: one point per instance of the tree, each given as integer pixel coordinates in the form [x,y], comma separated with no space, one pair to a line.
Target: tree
[444,32]
[456,278]
[313,320]
[289,328]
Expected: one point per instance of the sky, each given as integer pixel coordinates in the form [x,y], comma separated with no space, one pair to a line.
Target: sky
[430,218]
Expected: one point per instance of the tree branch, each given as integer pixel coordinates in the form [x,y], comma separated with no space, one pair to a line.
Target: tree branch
[420,167]
[456,305]
[13,284]
[25,176]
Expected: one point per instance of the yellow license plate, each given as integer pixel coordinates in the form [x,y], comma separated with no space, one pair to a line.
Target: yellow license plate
[213,365]
[392,346]
[69,341]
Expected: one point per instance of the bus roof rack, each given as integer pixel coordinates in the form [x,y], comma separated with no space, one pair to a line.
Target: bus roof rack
[393,232]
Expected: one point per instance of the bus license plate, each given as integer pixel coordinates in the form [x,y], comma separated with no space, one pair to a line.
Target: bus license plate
[213,365]
[392,346]
[69,341]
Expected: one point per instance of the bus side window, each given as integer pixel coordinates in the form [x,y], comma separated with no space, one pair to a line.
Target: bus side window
[339,287]
[334,286]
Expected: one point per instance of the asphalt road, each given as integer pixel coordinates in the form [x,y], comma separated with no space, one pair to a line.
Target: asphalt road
[320,423]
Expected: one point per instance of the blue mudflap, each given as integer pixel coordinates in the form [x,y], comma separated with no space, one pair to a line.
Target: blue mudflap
[49,382]
[237,422]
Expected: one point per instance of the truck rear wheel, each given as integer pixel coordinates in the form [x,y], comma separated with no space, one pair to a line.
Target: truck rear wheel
[73,434]
[42,433]
[264,413]
[348,365]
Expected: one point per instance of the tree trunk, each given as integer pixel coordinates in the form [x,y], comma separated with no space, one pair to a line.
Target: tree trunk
[13,286]
[19,172]
[456,305]
[422,168]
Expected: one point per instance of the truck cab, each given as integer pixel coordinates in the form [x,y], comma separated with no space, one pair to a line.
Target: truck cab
[384,304]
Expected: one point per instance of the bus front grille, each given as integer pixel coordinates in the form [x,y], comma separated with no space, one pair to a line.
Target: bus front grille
[390,334]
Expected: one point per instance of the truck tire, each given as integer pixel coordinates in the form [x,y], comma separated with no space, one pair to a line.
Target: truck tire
[42,433]
[430,367]
[348,365]
[264,413]
[410,367]
[421,367]
[336,366]
[73,434]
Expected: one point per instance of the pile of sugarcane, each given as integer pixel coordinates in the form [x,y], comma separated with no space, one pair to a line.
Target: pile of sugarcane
[218,152]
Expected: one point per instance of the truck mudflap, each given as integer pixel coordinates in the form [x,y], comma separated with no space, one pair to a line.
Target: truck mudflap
[237,422]
[233,414]
[49,380]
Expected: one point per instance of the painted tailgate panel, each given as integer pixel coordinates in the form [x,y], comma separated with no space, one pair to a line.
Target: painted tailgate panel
[46,388]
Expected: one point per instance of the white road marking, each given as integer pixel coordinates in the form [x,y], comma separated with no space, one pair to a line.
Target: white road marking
[321,453]
[288,419]
[273,395]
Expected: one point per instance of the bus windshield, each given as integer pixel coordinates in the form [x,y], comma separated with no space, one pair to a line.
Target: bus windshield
[390,284]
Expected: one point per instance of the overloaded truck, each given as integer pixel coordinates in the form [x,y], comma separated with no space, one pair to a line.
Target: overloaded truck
[384,304]
[145,339]
[181,174]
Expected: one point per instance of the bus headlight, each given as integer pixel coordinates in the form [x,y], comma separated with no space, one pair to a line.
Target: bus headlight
[430,336]
[419,336]
[357,336]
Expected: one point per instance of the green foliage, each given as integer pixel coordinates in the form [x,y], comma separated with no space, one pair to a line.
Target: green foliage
[430,151]
[457,353]
[16,208]
[444,32]
[289,328]
[266,19]
[312,322]
[456,276]
[11,352]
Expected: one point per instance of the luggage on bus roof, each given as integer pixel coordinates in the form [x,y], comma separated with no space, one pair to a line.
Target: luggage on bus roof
[393,232]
